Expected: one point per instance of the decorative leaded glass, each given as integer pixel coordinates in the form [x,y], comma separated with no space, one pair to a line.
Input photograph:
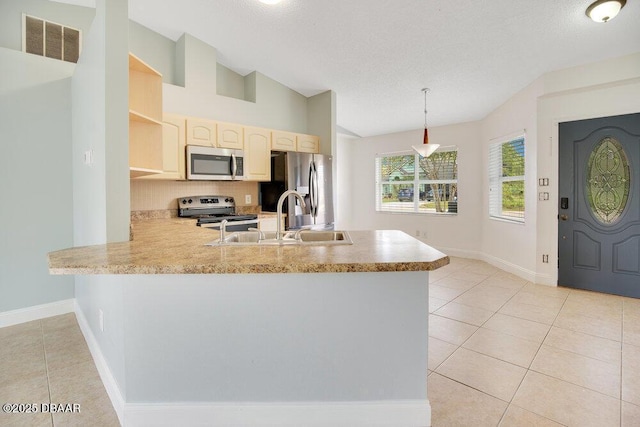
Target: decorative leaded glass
[608,181]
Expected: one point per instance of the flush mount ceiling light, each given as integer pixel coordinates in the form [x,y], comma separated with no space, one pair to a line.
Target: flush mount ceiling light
[605,10]
[426,149]
[270,1]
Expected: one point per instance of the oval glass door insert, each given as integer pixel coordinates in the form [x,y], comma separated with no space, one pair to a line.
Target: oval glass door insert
[608,181]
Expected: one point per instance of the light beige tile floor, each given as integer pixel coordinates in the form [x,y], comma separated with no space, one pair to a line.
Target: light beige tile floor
[502,352]
[48,361]
[510,353]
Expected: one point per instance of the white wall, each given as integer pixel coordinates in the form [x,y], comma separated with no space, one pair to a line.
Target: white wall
[342,191]
[455,234]
[506,244]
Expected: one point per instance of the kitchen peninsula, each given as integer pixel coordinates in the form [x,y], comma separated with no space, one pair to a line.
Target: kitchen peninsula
[287,335]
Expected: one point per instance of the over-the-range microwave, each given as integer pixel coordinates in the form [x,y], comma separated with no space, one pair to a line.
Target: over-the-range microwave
[214,164]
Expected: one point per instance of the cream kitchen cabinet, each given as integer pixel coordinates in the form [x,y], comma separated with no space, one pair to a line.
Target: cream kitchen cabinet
[173,149]
[307,143]
[145,119]
[230,135]
[283,141]
[257,154]
[289,141]
[201,132]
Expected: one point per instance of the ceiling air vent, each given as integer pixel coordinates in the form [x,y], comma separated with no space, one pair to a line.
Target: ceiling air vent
[45,38]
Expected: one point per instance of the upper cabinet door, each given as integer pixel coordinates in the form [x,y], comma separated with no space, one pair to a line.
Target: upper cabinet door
[230,136]
[307,143]
[257,154]
[283,141]
[201,132]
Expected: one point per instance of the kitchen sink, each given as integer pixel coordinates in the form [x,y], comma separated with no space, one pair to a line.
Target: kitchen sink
[300,237]
[325,237]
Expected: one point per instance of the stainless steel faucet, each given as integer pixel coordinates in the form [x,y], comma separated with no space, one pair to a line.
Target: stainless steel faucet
[223,230]
[281,201]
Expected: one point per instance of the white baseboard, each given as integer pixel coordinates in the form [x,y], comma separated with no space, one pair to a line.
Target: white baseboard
[531,276]
[283,414]
[36,312]
[510,267]
[110,384]
[546,279]
[461,253]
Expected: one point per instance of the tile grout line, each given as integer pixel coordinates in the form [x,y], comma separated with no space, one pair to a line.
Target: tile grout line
[537,351]
[46,368]
[533,359]
[483,323]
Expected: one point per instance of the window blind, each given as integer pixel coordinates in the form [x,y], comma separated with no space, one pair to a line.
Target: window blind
[506,179]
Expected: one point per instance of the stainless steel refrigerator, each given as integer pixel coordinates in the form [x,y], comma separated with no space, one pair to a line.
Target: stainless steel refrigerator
[309,175]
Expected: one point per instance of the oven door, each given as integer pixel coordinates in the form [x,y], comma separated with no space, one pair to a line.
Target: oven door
[214,164]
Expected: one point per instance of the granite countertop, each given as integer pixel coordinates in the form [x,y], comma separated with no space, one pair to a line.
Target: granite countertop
[177,246]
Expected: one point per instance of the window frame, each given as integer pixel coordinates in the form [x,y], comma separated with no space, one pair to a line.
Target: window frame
[497,179]
[416,183]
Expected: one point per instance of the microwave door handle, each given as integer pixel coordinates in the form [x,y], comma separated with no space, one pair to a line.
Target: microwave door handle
[234,166]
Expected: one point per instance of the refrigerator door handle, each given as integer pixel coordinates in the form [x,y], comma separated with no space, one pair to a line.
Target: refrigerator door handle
[314,186]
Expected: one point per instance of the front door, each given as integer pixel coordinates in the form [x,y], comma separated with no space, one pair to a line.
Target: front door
[599,206]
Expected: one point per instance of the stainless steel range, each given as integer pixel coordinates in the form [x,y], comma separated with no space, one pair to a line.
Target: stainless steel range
[212,210]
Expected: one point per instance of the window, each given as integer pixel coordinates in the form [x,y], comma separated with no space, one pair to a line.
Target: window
[407,182]
[506,180]
[49,39]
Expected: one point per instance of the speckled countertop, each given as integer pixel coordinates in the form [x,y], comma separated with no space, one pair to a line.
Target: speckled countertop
[177,246]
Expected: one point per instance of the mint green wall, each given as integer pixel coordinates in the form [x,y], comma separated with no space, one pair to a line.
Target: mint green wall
[11,18]
[101,190]
[158,51]
[35,177]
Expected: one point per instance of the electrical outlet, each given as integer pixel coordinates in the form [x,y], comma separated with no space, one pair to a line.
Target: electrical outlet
[101,319]
[247,199]
[545,259]
[88,157]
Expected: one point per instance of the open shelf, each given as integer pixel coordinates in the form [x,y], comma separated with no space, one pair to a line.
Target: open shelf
[145,119]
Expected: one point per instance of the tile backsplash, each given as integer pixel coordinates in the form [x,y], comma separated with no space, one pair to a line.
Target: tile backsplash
[148,195]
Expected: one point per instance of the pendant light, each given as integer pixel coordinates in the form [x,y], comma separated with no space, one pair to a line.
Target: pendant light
[426,149]
[605,10]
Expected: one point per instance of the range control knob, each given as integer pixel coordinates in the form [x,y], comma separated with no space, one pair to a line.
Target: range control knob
[190,201]
[184,201]
[229,200]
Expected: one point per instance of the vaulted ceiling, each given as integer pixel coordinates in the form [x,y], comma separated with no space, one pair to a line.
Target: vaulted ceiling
[377,55]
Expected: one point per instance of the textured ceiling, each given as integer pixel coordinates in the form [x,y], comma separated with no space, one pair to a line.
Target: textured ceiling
[377,55]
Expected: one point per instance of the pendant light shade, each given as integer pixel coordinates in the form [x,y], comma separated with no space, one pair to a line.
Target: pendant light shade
[605,10]
[426,149]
